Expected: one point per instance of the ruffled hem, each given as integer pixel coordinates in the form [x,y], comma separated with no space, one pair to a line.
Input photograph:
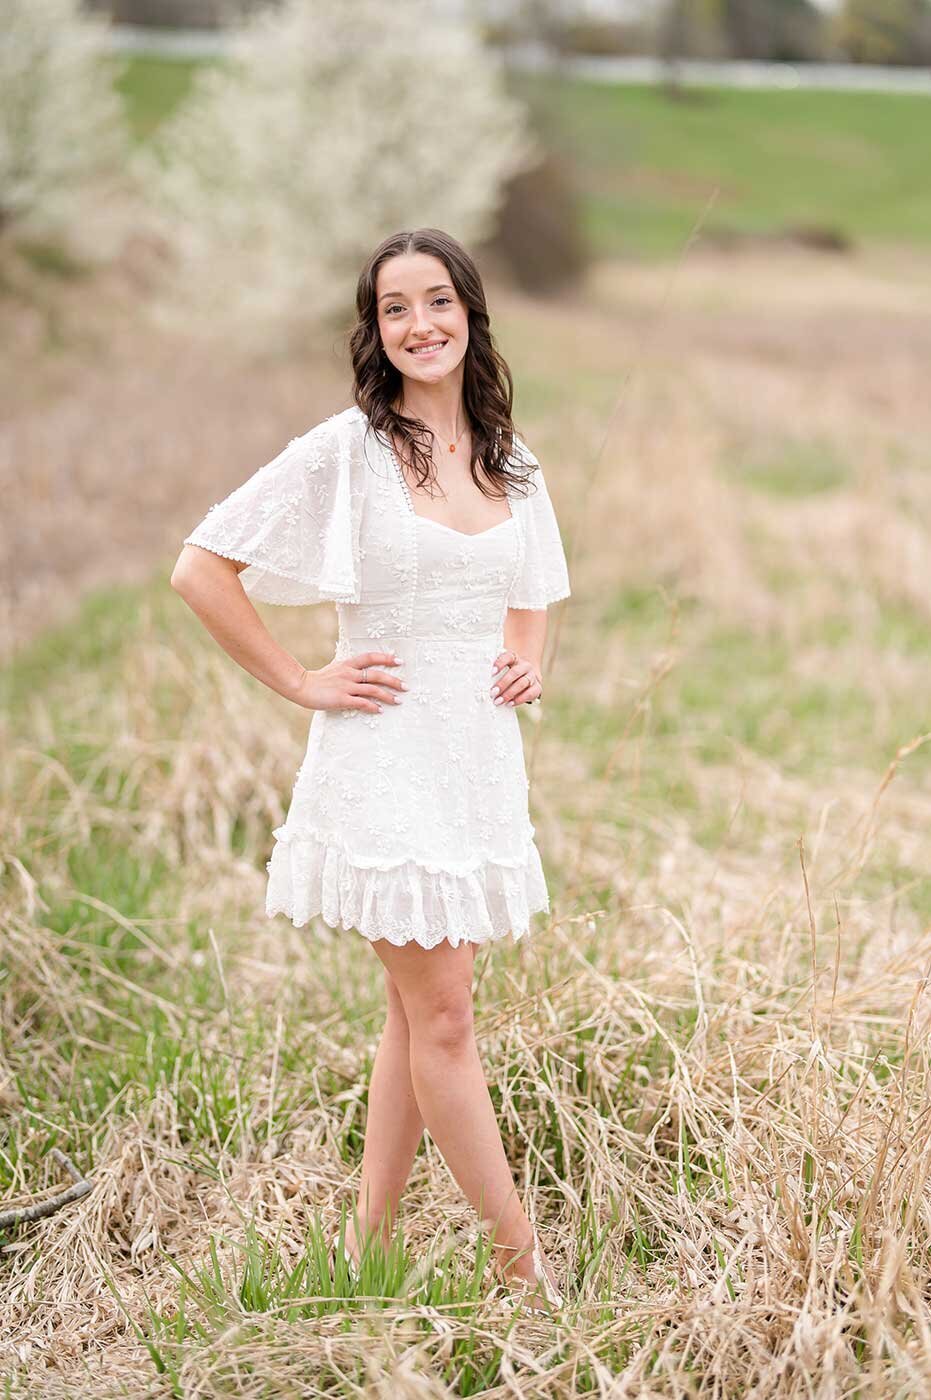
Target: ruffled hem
[406,902]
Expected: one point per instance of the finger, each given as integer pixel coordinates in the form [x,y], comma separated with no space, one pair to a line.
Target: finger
[503,675]
[515,687]
[357,702]
[390,697]
[528,696]
[377,684]
[380,678]
[377,658]
[522,687]
[503,660]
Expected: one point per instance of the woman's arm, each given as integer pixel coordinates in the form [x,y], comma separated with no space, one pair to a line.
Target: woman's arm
[524,636]
[210,586]
[525,633]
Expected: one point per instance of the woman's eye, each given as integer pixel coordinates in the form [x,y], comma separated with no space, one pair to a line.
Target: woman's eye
[396,307]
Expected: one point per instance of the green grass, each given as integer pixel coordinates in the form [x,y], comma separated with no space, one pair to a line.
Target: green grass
[153,87]
[732,683]
[793,468]
[95,638]
[646,166]
[137,1026]
[52,259]
[735,689]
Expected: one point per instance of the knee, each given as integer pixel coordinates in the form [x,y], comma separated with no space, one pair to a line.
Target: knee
[445,1020]
[393,997]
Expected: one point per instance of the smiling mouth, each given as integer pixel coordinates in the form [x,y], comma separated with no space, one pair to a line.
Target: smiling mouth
[426,349]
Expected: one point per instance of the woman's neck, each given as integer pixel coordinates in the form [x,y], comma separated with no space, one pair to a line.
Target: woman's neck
[439,405]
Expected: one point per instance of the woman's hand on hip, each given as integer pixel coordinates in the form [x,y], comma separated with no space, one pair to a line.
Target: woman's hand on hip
[515,680]
[357,683]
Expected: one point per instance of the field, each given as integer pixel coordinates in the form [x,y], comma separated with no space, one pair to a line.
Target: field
[847,164]
[710,1063]
[851,164]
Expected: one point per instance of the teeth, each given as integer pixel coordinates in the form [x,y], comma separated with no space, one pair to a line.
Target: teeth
[425,349]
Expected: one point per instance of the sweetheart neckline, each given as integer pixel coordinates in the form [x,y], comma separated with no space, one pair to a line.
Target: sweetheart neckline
[388,447]
[466,534]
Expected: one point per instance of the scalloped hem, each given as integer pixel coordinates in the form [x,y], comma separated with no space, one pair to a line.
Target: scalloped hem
[541,604]
[406,903]
[274,586]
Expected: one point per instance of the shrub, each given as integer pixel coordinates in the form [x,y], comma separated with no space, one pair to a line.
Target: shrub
[332,126]
[61,123]
[539,235]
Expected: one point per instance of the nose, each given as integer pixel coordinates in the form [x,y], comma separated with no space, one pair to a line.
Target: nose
[422,323]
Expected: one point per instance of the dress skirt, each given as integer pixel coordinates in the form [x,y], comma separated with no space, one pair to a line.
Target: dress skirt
[413,824]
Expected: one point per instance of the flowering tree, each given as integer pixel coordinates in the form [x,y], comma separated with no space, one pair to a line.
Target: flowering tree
[61,123]
[332,126]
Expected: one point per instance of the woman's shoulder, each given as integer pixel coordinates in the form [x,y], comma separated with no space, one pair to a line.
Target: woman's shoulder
[332,446]
[528,470]
[520,453]
[346,425]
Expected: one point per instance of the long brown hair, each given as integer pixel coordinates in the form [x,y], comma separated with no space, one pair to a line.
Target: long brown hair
[487,386]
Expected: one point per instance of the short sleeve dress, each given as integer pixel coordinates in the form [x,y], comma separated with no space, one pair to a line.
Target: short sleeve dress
[410,824]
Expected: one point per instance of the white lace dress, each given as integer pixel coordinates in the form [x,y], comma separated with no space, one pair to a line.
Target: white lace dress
[411,824]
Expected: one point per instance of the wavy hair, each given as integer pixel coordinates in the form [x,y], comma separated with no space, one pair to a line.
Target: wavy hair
[487,386]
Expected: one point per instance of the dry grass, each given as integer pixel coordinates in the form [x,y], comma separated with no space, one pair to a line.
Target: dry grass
[710,1064]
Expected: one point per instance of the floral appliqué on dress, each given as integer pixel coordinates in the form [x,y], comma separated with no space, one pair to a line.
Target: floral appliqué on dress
[411,824]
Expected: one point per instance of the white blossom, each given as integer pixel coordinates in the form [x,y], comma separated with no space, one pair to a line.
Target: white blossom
[331,126]
[61,122]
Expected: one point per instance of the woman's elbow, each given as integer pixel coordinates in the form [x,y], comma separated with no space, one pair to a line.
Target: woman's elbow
[198,569]
[183,571]
[193,567]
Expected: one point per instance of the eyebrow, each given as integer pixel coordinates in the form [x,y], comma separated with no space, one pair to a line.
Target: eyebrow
[438,288]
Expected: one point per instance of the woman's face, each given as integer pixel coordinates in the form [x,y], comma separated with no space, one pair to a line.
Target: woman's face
[418,306]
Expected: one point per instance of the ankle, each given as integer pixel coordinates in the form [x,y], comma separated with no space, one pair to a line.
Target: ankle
[515,1260]
[533,1273]
[364,1228]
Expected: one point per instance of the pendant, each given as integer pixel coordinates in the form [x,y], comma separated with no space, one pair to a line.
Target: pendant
[452,447]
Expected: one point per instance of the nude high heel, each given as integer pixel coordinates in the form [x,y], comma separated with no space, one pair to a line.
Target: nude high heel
[352,1267]
[541,1295]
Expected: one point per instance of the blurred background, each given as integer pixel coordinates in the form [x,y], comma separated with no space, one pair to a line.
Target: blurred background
[188,184]
[705,232]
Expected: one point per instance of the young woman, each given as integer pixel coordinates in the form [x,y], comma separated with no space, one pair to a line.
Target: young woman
[426,519]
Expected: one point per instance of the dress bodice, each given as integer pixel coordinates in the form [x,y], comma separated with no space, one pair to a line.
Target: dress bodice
[330,519]
[422,579]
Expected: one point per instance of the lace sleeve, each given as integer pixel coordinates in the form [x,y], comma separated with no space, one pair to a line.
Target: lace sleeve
[293,522]
[543,576]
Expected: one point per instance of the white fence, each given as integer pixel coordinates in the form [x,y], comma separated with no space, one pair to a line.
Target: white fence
[843,77]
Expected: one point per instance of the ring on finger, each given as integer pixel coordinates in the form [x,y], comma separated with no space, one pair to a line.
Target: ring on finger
[516,697]
[364,669]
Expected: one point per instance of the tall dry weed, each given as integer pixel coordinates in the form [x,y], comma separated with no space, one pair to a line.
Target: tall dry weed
[710,1064]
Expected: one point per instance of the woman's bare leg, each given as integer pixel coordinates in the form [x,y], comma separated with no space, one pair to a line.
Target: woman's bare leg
[448,1082]
[394,1126]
